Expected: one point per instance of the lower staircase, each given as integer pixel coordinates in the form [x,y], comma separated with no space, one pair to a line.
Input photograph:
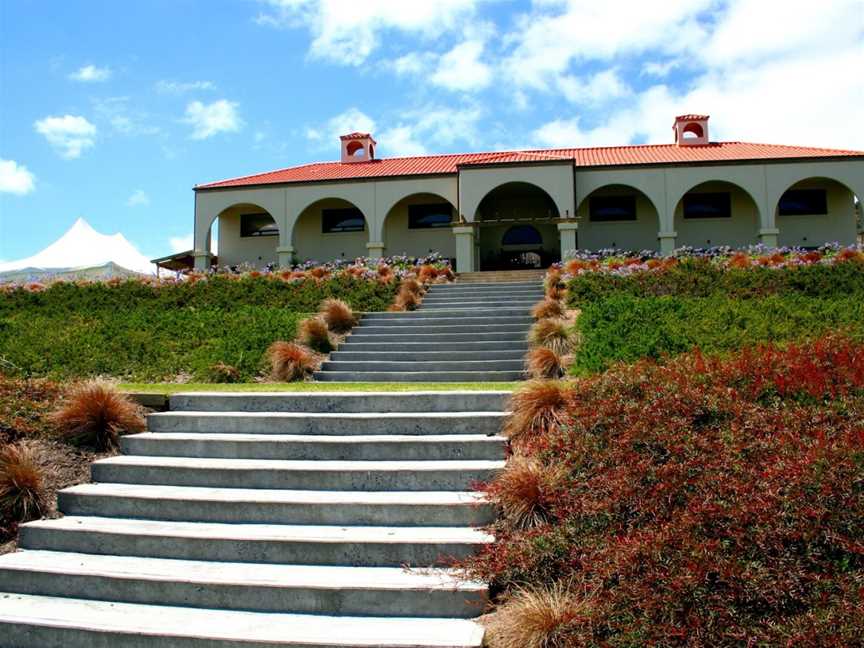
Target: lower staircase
[462,332]
[310,520]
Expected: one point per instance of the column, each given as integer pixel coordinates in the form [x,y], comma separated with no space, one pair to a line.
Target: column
[202,260]
[464,248]
[667,242]
[567,232]
[768,236]
[285,254]
[376,249]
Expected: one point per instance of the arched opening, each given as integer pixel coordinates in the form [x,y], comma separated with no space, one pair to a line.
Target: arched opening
[420,224]
[354,148]
[692,131]
[716,213]
[816,211]
[247,235]
[330,229]
[503,209]
[618,217]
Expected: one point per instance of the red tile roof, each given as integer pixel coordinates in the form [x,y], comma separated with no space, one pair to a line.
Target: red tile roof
[355,135]
[581,157]
[691,117]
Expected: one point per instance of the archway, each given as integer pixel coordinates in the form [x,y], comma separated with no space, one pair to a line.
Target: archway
[618,216]
[247,234]
[816,211]
[716,213]
[419,224]
[330,229]
[505,208]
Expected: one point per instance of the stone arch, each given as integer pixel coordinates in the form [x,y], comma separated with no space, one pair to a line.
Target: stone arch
[401,235]
[828,214]
[317,233]
[615,223]
[739,228]
[245,236]
[210,204]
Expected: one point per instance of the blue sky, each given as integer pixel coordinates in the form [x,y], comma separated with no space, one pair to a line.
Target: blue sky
[113,111]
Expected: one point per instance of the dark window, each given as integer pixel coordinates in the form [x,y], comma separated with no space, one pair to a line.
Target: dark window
[803,202]
[429,216]
[522,235]
[708,205]
[606,209]
[258,225]
[348,219]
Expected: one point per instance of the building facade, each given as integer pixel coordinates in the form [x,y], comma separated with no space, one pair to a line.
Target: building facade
[530,208]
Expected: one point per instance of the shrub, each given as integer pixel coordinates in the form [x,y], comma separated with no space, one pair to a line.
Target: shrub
[413,286]
[224,373]
[338,315]
[22,495]
[315,334]
[290,362]
[546,309]
[406,300]
[544,364]
[535,408]
[24,408]
[427,274]
[706,501]
[552,334]
[95,414]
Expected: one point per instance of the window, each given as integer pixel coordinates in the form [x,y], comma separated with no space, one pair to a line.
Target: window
[707,205]
[429,216]
[258,225]
[348,219]
[522,235]
[803,202]
[606,209]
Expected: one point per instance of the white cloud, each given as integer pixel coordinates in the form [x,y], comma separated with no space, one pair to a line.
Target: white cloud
[91,74]
[327,135]
[462,69]
[347,32]
[15,178]
[181,243]
[180,87]
[600,88]
[210,119]
[124,119]
[139,198]
[70,135]
[413,63]
[657,69]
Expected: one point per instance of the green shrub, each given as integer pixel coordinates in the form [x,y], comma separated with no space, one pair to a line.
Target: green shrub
[626,328]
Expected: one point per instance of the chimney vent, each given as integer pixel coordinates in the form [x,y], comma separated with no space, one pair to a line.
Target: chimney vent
[691,130]
[358,147]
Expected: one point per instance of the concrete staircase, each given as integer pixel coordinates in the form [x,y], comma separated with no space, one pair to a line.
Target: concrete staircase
[462,332]
[268,520]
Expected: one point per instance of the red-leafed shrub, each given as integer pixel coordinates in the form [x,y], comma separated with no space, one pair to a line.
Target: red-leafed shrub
[704,502]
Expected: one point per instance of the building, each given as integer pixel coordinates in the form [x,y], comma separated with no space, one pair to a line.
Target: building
[529,208]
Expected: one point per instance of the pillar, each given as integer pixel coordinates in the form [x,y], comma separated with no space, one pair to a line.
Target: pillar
[768,236]
[285,254]
[667,242]
[464,248]
[567,232]
[202,260]
[376,249]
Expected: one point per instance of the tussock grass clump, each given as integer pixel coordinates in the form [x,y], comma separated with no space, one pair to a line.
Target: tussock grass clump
[427,274]
[315,334]
[551,333]
[22,492]
[223,373]
[548,308]
[290,362]
[338,315]
[385,273]
[525,491]
[535,409]
[410,284]
[539,617]
[556,292]
[544,364]
[95,414]
[407,299]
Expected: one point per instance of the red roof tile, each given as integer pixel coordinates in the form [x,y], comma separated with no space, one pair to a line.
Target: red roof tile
[581,157]
[355,135]
[691,117]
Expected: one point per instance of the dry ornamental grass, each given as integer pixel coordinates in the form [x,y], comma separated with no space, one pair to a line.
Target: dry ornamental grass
[551,334]
[315,334]
[540,617]
[525,491]
[95,415]
[338,315]
[290,362]
[548,308]
[536,407]
[544,364]
[22,493]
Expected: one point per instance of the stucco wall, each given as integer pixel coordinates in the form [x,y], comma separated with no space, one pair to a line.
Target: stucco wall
[838,225]
[310,243]
[640,234]
[740,230]
[555,179]
[398,239]
[234,249]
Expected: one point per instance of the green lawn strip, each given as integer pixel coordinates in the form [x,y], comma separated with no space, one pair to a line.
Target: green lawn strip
[173,388]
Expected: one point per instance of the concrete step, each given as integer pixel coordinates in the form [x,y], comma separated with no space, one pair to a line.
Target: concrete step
[433,365]
[28,621]
[377,447]
[419,376]
[449,316]
[472,346]
[345,402]
[423,356]
[339,424]
[504,283]
[517,336]
[454,325]
[371,546]
[466,304]
[299,475]
[312,589]
[260,506]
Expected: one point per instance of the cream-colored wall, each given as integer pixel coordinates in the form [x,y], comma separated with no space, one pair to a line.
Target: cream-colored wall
[398,239]
[838,225]
[555,179]
[310,243]
[235,249]
[640,234]
[740,230]
[489,239]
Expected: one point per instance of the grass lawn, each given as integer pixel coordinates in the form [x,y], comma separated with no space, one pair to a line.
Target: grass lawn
[173,388]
